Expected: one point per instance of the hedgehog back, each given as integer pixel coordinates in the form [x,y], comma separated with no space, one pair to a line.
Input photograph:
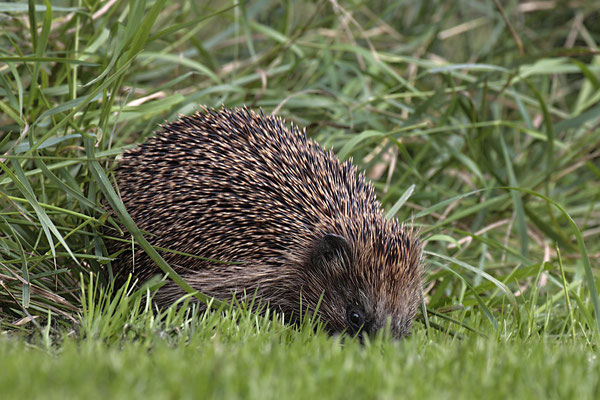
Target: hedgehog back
[234,185]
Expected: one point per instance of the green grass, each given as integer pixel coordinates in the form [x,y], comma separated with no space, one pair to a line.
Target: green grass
[260,367]
[481,129]
[237,355]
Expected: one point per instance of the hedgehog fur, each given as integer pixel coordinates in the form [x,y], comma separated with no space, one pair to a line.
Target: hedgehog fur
[238,186]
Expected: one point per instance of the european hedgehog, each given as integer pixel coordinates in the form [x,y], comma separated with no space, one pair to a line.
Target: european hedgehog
[238,186]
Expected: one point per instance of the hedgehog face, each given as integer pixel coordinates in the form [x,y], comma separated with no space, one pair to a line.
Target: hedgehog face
[361,297]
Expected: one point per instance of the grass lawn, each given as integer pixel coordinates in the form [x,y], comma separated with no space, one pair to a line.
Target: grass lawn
[241,361]
[237,355]
[477,121]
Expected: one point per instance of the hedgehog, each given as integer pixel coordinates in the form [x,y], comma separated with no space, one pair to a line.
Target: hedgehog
[290,223]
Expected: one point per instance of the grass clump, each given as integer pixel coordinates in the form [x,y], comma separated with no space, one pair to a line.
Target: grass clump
[477,122]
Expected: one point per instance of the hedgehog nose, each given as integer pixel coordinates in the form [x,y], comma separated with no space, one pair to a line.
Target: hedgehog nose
[388,329]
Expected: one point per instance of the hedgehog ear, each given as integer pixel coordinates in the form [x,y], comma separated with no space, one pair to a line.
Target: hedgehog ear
[330,248]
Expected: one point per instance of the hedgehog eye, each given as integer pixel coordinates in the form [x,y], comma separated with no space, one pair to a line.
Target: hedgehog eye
[355,318]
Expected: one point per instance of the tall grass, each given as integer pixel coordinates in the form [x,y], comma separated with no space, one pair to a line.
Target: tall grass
[479,123]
